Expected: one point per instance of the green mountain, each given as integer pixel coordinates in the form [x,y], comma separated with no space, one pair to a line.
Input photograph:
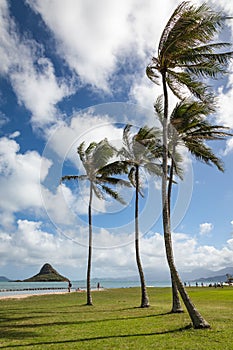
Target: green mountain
[47,274]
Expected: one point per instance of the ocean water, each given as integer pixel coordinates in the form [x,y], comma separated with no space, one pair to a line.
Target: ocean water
[14,288]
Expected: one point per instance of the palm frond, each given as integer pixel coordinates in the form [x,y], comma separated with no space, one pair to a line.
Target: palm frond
[115,168]
[154,169]
[158,106]
[205,154]
[81,152]
[113,194]
[131,176]
[73,177]
[112,181]
[177,81]
[186,50]
[151,72]
[102,153]
[90,149]
[177,161]
[126,137]
[97,191]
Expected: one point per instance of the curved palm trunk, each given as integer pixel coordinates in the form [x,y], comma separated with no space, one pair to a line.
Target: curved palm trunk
[176,304]
[197,320]
[89,298]
[144,296]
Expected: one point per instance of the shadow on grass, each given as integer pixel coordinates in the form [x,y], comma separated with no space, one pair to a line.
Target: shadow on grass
[81,322]
[120,336]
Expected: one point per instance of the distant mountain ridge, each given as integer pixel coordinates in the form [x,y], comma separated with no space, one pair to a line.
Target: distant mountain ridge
[47,274]
[197,275]
[4,279]
[209,275]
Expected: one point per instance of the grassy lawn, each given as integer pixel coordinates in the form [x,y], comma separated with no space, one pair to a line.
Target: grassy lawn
[115,321]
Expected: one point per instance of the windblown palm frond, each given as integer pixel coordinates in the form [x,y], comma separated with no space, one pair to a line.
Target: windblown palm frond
[102,154]
[140,150]
[188,121]
[186,51]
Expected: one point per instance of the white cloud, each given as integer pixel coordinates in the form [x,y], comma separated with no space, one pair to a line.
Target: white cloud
[94,37]
[206,228]
[3,118]
[14,135]
[85,126]
[39,90]
[31,74]
[20,178]
[225,114]
[30,244]
[229,147]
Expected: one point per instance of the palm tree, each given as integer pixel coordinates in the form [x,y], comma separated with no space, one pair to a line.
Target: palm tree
[188,126]
[186,55]
[95,159]
[139,151]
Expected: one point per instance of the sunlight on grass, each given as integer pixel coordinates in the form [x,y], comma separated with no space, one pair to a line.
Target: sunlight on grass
[115,321]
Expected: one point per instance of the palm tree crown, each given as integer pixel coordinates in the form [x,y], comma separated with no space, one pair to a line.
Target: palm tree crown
[95,159]
[141,149]
[186,51]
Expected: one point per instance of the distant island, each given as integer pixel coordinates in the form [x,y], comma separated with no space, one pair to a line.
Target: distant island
[47,274]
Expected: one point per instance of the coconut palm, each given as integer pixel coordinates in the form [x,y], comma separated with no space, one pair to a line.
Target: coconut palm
[186,55]
[140,151]
[94,159]
[189,127]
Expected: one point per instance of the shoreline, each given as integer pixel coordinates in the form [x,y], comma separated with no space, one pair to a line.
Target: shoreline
[26,295]
[21,296]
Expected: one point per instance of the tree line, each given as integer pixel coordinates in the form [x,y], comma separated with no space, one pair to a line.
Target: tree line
[186,58]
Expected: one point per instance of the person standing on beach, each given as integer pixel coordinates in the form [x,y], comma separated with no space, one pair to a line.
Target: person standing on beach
[69,286]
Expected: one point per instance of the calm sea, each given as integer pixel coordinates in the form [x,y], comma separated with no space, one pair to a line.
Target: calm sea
[14,288]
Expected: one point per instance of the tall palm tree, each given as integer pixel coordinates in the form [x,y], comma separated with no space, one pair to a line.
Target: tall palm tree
[95,158]
[189,127]
[139,151]
[186,55]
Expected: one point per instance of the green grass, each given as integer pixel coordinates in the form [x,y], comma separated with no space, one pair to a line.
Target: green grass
[115,321]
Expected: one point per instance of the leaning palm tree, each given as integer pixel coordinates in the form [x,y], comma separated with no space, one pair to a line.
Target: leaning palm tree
[140,150]
[189,127]
[95,158]
[186,55]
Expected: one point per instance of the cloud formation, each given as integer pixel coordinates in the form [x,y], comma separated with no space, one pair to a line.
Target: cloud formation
[31,74]
[206,228]
[112,31]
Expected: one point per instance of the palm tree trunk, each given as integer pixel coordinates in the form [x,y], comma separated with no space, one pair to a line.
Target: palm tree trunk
[89,298]
[197,320]
[176,304]
[144,295]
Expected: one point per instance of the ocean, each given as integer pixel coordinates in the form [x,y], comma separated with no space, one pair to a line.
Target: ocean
[14,288]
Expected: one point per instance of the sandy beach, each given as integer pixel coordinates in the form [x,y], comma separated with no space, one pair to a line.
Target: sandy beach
[21,296]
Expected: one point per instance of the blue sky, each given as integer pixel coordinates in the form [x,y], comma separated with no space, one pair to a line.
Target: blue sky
[74,71]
